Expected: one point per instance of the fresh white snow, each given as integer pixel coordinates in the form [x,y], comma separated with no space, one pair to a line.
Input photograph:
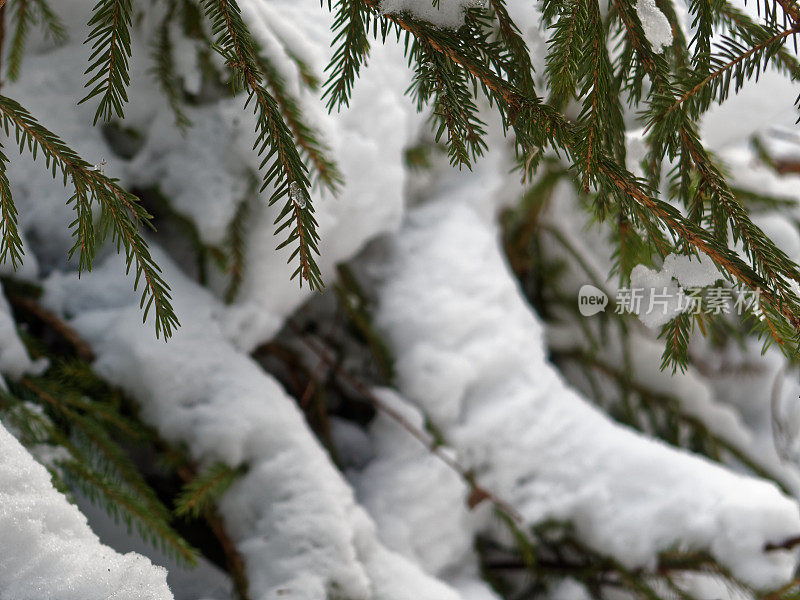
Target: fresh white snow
[292,516]
[447,14]
[48,552]
[470,354]
[655,24]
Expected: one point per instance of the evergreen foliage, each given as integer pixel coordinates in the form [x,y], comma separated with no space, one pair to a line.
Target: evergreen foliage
[110,38]
[567,127]
[86,436]
[287,172]
[25,14]
[121,211]
[202,492]
[90,438]
[452,68]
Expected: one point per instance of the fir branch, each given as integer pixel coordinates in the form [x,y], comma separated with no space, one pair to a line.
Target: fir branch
[307,138]
[32,426]
[740,24]
[556,552]
[792,9]
[532,122]
[565,47]
[767,258]
[287,173]
[772,264]
[10,241]
[351,26]
[679,45]
[22,18]
[203,491]
[117,463]
[51,23]
[164,69]
[703,13]
[676,350]
[735,63]
[121,209]
[233,560]
[511,36]
[637,58]
[454,110]
[24,14]
[121,504]
[600,124]
[109,62]
[537,125]
[97,465]
[307,75]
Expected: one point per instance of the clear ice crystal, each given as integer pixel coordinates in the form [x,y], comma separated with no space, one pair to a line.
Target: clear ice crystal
[297,194]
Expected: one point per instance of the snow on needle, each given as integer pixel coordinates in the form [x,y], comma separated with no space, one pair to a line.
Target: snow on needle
[99,167]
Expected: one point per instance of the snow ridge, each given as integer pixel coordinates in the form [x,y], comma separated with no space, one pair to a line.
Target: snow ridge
[292,516]
[470,354]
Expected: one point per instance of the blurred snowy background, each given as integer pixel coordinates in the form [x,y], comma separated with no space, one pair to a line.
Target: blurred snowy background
[358,508]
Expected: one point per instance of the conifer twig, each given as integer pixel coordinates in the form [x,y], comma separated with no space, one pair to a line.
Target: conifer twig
[286,173]
[791,8]
[233,560]
[733,62]
[307,138]
[787,544]
[164,68]
[2,34]
[122,209]
[537,125]
[109,62]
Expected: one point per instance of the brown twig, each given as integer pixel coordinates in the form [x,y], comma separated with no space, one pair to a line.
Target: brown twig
[787,167]
[792,9]
[786,544]
[31,306]
[233,560]
[311,387]
[477,492]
